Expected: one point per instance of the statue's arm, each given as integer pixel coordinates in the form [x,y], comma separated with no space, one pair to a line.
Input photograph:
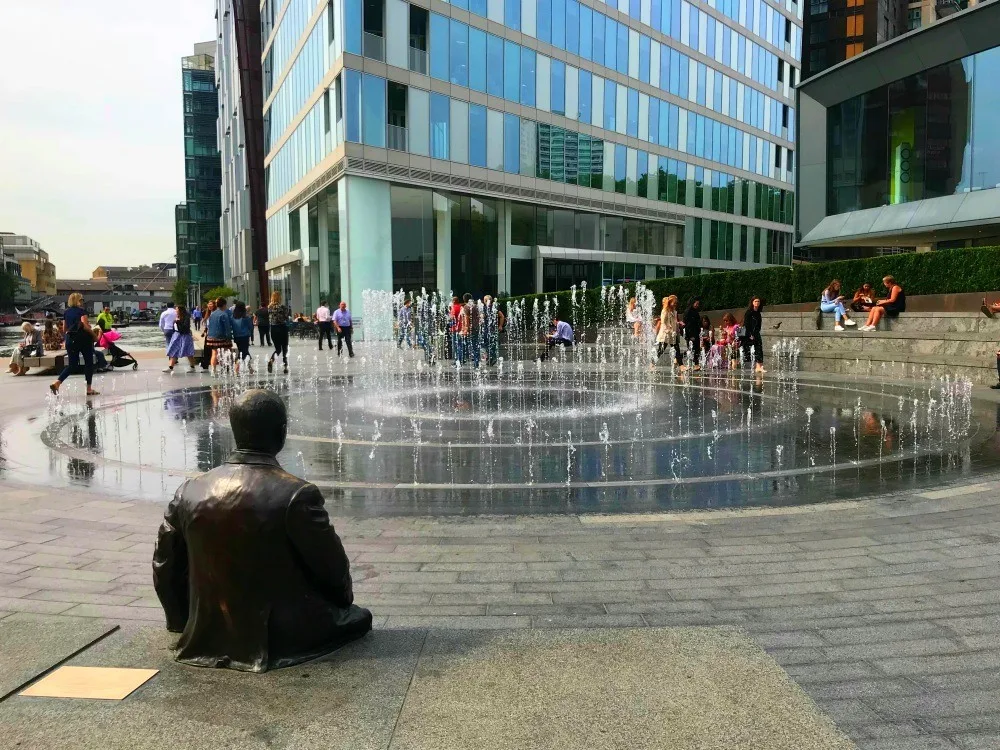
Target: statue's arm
[318,546]
[170,567]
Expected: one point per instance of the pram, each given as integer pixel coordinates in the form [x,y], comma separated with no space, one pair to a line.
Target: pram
[120,358]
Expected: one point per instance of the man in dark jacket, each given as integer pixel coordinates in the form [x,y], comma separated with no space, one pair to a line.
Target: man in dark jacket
[247,566]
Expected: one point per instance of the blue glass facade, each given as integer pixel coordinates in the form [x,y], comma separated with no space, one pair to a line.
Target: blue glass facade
[683,108]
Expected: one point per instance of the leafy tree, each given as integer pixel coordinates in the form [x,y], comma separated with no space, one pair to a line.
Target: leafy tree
[219,291]
[8,289]
[180,292]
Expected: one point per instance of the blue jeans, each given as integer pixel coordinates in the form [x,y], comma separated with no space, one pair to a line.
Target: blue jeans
[837,307]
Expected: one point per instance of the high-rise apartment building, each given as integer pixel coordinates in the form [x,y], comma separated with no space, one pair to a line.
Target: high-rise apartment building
[34,262]
[199,257]
[524,145]
[837,30]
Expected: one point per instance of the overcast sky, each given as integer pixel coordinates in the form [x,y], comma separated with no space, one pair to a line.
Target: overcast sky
[91,131]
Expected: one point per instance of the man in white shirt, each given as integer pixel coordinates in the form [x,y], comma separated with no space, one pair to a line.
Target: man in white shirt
[167,319]
[324,325]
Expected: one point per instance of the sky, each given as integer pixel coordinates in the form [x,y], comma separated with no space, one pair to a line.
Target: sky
[91,129]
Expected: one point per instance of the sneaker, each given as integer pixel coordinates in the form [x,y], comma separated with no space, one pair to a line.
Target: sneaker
[838,328]
[192,370]
[168,369]
[995,387]
[850,322]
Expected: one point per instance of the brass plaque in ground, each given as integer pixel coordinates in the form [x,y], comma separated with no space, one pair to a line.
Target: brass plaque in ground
[97,683]
[641,689]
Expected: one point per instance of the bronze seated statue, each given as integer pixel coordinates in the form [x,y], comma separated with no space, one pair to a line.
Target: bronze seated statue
[247,566]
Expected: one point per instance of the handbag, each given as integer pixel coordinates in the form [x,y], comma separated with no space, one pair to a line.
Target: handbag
[741,332]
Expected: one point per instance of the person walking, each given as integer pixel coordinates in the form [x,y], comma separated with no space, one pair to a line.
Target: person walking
[404,320]
[206,354]
[104,319]
[751,341]
[262,320]
[666,331]
[692,331]
[278,315]
[892,305]
[832,301]
[29,346]
[196,316]
[182,344]
[220,332]
[167,318]
[344,324]
[242,334]
[324,326]
[79,344]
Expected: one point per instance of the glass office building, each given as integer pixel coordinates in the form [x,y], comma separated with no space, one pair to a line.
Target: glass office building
[199,257]
[516,146]
[898,147]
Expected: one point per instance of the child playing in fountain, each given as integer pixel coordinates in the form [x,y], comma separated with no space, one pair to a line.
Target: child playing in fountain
[723,354]
[706,335]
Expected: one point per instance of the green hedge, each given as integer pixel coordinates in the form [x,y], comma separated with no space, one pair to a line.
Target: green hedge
[937,272]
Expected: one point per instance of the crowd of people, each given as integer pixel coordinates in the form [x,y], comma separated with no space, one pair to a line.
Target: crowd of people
[735,343]
[467,330]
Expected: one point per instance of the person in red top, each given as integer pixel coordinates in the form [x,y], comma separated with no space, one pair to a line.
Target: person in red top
[453,312]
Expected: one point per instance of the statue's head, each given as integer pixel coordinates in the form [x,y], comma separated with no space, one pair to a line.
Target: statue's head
[259,421]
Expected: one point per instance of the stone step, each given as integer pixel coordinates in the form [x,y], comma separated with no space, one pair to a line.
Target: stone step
[921,322]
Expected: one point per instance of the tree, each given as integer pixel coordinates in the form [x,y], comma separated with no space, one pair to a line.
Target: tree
[8,289]
[219,291]
[180,293]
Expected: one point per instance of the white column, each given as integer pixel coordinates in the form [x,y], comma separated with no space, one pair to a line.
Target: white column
[368,233]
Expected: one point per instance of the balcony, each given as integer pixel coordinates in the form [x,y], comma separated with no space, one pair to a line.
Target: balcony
[373,47]
[945,8]
[395,137]
[418,61]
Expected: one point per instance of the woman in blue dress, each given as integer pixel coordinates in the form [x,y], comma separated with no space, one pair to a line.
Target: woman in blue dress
[181,344]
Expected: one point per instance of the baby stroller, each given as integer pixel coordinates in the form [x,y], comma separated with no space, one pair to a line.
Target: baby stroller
[120,358]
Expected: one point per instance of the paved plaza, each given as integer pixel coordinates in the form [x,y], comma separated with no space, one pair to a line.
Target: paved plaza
[884,611]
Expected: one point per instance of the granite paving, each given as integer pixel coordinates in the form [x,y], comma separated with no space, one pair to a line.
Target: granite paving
[884,610]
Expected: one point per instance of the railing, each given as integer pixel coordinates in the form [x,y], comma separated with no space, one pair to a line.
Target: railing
[395,137]
[373,46]
[418,60]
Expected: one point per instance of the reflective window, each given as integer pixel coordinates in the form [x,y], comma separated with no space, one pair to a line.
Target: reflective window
[459,61]
[494,65]
[373,110]
[609,105]
[352,105]
[620,168]
[644,59]
[494,140]
[352,22]
[573,26]
[583,100]
[440,114]
[610,42]
[632,121]
[598,50]
[477,135]
[527,77]
[985,164]
[418,121]
[512,14]
[558,91]
[543,21]
[477,59]
[622,48]
[559,23]
[512,71]
[459,136]
[439,47]
[586,32]
[511,143]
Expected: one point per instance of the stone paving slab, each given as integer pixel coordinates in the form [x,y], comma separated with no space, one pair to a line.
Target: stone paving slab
[28,651]
[682,688]
[349,701]
[710,689]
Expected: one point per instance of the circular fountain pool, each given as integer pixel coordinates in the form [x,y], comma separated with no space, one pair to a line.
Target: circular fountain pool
[392,435]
